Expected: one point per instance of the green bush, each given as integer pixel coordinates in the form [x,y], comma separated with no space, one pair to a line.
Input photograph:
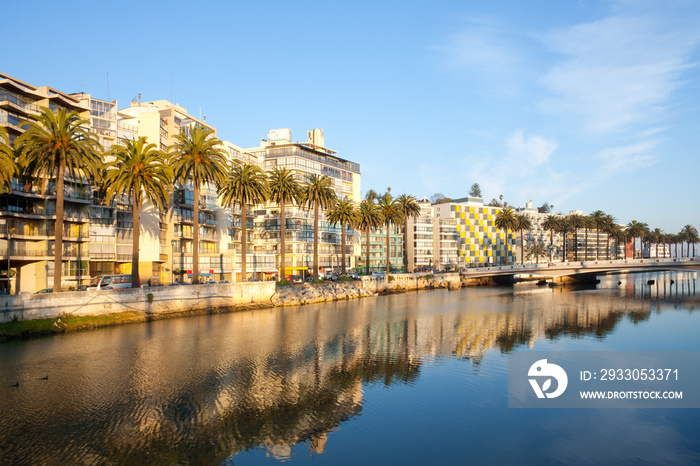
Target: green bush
[149,296]
[284,282]
[317,281]
[391,278]
[345,279]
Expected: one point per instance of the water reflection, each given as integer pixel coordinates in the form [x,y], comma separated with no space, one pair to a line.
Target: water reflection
[202,390]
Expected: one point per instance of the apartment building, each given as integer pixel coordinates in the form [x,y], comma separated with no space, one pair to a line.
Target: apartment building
[480,241]
[432,241]
[303,159]
[28,213]
[378,251]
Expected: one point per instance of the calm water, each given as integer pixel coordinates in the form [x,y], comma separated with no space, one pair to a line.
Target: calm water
[405,379]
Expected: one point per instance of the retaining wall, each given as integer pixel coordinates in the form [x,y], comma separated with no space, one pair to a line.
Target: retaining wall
[166,299]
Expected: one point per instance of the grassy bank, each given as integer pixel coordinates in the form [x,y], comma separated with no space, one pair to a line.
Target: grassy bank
[71,323]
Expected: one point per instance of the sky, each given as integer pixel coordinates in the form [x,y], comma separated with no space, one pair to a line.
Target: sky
[584,104]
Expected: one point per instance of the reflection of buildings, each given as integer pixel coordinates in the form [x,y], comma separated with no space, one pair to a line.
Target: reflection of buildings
[202,390]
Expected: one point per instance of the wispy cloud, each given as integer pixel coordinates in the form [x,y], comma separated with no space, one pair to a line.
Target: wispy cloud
[618,71]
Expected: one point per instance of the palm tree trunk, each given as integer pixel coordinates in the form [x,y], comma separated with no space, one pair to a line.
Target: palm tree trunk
[316,207]
[283,270]
[585,244]
[367,264]
[522,249]
[342,241]
[244,240]
[405,249]
[388,256]
[551,245]
[58,231]
[563,249]
[135,243]
[195,237]
[576,245]
[597,242]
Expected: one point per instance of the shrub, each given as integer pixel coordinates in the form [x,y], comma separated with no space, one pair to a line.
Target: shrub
[284,282]
[317,281]
[391,278]
[346,279]
[149,296]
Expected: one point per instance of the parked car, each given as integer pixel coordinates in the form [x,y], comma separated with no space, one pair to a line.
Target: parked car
[45,290]
[378,275]
[111,282]
[224,282]
[294,279]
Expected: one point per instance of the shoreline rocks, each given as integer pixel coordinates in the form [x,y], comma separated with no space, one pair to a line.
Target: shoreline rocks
[295,295]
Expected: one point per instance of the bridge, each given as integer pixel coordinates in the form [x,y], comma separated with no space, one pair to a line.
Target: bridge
[580,272]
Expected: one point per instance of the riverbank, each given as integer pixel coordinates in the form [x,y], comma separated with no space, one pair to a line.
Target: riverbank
[21,329]
[27,316]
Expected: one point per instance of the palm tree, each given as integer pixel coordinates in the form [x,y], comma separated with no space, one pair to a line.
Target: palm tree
[576,222]
[537,250]
[8,168]
[369,218]
[598,220]
[563,227]
[609,227]
[655,236]
[523,223]
[551,224]
[620,236]
[690,235]
[392,215]
[317,193]
[410,208]
[197,156]
[56,145]
[371,195]
[343,213]
[246,185]
[505,220]
[140,172]
[636,229]
[283,188]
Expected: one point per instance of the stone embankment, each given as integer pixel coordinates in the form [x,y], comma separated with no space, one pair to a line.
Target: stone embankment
[294,295]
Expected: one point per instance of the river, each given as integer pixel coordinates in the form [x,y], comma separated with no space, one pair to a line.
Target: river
[415,378]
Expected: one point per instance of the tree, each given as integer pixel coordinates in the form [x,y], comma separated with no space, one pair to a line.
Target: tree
[537,250]
[317,193]
[197,156]
[343,213]
[246,185]
[283,188]
[56,145]
[369,218]
[371,195]
[690,235]
[655,236]
[437,198]
[494,203]
[411,209]
[576,222]
[392,214]
[8,167]
[505,220]
[598,221]
[475,190]
[551,224]
[609,227]
[522,223]
[545,208]
[636,229]
[620,236]
[563,227]
[139,171]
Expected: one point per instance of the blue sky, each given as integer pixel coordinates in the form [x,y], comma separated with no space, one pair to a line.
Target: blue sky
[583,104]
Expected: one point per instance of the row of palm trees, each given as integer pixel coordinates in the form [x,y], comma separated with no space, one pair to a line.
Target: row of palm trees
[56,144]
[599,221]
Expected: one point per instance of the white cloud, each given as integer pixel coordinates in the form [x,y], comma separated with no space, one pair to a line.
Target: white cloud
[618,71]
[526,153]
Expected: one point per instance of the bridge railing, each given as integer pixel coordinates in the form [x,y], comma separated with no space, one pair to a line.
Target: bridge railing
[568,264]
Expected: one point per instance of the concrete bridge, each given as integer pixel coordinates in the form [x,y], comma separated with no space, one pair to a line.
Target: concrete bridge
[580,272]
